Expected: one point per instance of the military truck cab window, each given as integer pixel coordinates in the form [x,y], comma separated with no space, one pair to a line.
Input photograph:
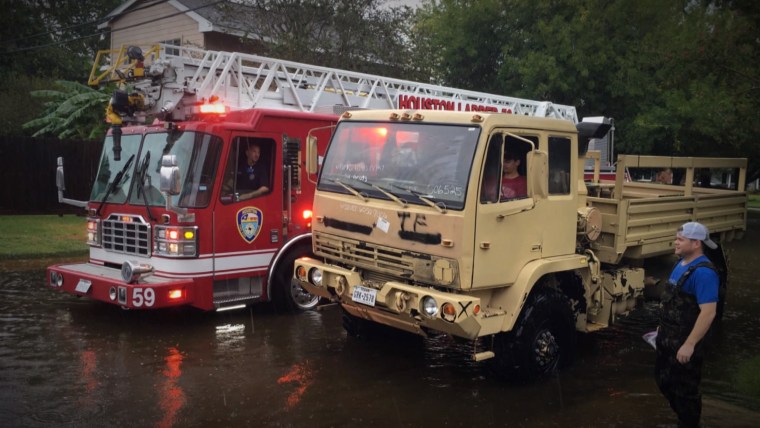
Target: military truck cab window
[249,169]
[504,177]
[417,163]
[559,165]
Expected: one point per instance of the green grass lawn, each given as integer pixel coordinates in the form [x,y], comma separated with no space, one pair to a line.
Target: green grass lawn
[39,236]
[754,200]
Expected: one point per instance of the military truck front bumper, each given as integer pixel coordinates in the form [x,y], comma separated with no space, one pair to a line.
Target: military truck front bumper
[407,307]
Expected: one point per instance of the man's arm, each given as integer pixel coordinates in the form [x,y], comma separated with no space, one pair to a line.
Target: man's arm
[701,326]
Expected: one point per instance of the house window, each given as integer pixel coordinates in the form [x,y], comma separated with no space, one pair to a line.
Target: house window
[173,42]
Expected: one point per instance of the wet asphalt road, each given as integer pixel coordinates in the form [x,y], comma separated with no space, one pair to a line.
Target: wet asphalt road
[71,362]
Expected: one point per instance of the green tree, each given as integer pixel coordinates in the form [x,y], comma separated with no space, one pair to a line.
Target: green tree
[73,111]
[357,35]
[679,76]
[42,41]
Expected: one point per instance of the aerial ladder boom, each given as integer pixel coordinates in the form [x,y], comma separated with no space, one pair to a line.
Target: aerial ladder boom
[172,81]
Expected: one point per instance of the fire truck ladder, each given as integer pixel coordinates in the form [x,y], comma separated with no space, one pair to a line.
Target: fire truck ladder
[246,81]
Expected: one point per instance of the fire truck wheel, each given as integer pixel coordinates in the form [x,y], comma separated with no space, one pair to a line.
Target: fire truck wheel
[288,295]
[542,341]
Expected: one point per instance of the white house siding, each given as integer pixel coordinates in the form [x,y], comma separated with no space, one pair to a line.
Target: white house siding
[176,27]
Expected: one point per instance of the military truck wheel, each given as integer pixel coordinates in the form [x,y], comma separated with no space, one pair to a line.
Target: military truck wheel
[542,340]
[287,293]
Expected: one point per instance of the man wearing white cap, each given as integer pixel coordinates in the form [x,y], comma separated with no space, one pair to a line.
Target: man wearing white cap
[689,306]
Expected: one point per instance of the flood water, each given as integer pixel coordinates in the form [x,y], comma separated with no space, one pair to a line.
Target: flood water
[71,362]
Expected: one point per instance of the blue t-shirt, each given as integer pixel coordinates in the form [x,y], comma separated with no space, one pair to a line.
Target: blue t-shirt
[703,283]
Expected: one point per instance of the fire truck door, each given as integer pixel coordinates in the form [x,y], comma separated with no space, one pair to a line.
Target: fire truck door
[247,221]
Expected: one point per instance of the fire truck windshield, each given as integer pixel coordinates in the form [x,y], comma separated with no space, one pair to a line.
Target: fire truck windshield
[109,168]
[411,159]
[197,157]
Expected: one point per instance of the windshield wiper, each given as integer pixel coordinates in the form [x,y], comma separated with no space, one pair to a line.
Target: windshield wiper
[141,176]
[114,183]
[439,205]
[388,193]
[350,189]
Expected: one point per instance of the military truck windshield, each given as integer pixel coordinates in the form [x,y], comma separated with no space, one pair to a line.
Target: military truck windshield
[109,169]
[197,158]
[408,159]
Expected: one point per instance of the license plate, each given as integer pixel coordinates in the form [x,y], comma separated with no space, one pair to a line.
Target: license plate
[364,295]
[83,286]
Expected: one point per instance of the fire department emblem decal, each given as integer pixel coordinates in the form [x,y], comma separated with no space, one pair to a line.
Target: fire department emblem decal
[249,222]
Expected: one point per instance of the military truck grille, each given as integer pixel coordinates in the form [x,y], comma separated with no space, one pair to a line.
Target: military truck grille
[128,234]
[364,255]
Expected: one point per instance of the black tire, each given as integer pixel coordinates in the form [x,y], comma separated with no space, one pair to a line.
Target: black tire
[542,341]
[287,294]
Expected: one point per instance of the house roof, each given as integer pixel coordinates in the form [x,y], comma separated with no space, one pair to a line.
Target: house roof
[223,16]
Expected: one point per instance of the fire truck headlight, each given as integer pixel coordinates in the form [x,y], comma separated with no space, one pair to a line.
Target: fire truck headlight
[315,277]
[112,293]
[93,231]
[429,306]
[175,241]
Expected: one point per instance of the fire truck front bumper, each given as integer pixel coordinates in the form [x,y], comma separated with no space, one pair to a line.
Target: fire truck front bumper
[107,285]
[412,308]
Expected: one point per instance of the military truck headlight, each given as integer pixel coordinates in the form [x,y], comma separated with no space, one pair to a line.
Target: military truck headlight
[315,277]
[301,273]
[429,306]
[448,312]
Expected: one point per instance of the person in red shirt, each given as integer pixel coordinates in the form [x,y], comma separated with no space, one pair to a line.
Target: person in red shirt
[513,185]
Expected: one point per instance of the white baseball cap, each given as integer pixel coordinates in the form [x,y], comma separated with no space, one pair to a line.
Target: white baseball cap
[698,231]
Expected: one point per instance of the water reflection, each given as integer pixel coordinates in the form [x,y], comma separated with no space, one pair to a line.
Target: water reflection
[299,376]
[71,362]
[172,395]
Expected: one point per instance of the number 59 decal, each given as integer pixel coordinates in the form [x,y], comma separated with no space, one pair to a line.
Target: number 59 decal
[143,296]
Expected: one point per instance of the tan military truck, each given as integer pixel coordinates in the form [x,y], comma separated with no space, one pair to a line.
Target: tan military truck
[412,229]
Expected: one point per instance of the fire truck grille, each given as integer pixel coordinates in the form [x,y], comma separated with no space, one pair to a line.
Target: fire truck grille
[128,234]
[364,255]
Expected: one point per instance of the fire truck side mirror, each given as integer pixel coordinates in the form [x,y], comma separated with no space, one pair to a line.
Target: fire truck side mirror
[170,176]
[538,168]
[311,155]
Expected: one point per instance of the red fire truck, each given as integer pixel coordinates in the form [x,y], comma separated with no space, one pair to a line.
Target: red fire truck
[169,222]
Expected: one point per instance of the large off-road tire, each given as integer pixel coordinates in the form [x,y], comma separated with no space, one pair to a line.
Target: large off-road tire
[288,295]
[542,341]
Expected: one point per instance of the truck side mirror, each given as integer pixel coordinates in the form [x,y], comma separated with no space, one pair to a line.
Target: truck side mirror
[311,155]
[537,167]
[170,176]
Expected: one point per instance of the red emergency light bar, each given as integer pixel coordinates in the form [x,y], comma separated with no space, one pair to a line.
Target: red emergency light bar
[213,108]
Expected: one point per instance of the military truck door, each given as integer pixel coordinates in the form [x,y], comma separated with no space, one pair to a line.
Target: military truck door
[507,234]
